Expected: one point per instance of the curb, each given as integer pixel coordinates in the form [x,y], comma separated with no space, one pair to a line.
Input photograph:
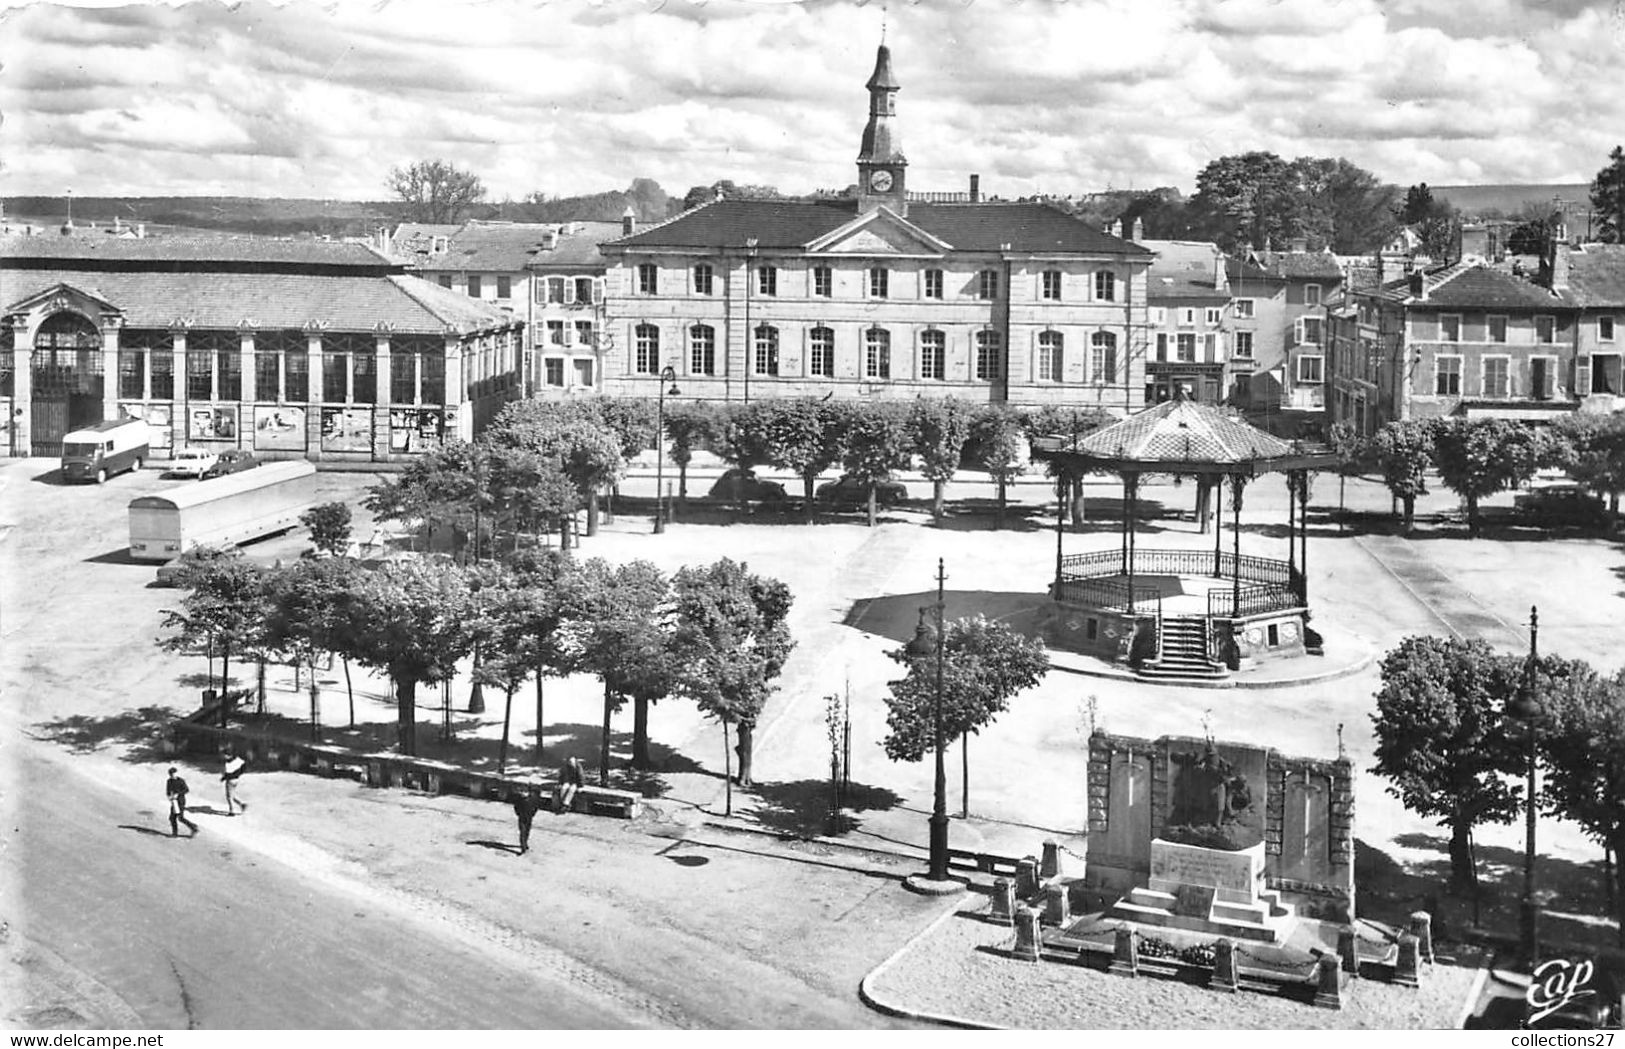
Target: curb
[1473,994]
[1114,674]
[785,836]
[867,996]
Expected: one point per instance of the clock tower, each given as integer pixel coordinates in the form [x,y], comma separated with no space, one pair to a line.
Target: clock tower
[881,164]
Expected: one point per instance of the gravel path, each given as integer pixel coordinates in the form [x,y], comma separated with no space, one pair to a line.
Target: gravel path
[943,973]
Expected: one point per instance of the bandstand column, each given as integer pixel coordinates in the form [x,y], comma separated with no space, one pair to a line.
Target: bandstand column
[1218,527]
[1291,525]
[1303,530]
[1062,486]
[1131,487]
[1237,482]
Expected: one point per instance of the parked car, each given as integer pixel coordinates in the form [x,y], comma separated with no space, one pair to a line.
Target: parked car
[737,484]
[1560,504]
[191,462]
[849,491]
[230,461]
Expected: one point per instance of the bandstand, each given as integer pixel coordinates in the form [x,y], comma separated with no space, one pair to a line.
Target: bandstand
[1191,612]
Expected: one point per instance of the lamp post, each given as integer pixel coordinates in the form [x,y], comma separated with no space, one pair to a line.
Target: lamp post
[1527,709]
[668,377]
[924,644]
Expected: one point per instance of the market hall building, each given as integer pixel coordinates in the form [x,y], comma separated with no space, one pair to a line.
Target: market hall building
[888,294]
[314,349]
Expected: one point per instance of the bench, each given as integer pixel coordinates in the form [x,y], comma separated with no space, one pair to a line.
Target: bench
[597,801]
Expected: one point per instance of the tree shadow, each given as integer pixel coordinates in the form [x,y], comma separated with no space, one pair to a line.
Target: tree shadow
[895,616]
[802,807]
[141,730]
[1572,896]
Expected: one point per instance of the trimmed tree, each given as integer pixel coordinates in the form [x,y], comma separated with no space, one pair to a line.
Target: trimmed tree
[998,444]
[733,640]
[877,445]
[1351,450]
[938,430]
[1595,446]
[1443,741]
[222,612]
[690,426]
[1403,451]
[984,665]
[804,436]
[1479,457]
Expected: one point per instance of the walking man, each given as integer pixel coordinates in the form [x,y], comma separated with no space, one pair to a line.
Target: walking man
[176,789]
[525,806]
[229,776]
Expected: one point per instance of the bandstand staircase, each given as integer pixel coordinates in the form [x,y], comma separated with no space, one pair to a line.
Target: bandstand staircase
[1183,653]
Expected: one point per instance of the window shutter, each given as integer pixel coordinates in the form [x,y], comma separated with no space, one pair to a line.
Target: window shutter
[1297,332]
[1582,375]
[597,290]
[1551,380]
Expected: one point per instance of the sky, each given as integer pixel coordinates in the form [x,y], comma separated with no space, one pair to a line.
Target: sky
[572,96]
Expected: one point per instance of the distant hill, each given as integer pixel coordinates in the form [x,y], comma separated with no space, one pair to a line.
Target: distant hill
[292,217]
[1510,199]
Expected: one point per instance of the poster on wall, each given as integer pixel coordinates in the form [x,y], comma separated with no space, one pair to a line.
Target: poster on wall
[415,429]
[346,429]
[158,419]
[212,424]
[279,428]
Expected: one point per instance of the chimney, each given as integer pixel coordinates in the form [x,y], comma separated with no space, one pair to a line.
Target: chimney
[1117,227]
[1221,280]
[550,239]
[141,231]
[1298,244]
[1475,243]
[1419,285]
[629,221]
[1138,233]
[975,189]
[1557,266]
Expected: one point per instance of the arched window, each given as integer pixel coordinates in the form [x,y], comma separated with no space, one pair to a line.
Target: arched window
[1103,358]
[766,361]
[877,354]
[702,350]
[1049,356]
[646,350]
[933,346]
[67,358]
[821,352]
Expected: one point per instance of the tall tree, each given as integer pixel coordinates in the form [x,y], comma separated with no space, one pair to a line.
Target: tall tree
[877,445]
[1608,198]
[938,430]
[222,612]
[1403,451]
[1596,452]
[1341,205]
[734,640]
[620,627]
[1583,742]
[998,444]
[410,623]
[435,191]
[1442,739]
[1245,199]
[1352,450]
[985,664]
[690,426]
[310,612]
[1479,457]
[1434,220]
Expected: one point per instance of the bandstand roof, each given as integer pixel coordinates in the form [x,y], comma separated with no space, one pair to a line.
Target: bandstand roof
[1183,436]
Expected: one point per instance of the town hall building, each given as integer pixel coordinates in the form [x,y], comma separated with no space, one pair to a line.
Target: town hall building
[890,294]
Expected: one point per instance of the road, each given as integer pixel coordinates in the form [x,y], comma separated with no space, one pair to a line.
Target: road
[158,932]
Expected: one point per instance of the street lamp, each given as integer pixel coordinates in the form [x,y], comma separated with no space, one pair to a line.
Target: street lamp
[1525,708]
[922,645]
[668,377]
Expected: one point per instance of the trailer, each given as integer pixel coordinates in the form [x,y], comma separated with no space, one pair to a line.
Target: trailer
[222,511]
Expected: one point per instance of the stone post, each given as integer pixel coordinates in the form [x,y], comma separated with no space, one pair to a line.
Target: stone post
[1348,952]
[1225,976]
[1126,953]
[110,325]
[1027,878]
[1329,992]
[1422,929]
[1027,939]
[1406,965]
[1050,865]
[1056,911]
[1004,900]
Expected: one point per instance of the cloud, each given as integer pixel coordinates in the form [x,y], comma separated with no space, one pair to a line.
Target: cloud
[567,97]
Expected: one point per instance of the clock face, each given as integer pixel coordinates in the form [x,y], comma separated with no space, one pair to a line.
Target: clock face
[880,181]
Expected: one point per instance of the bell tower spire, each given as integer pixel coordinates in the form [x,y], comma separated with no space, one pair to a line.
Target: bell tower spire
[881,164]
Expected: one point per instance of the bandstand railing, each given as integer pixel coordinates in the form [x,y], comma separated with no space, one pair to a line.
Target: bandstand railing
[1111,595]
[1223,603]
[1188,563]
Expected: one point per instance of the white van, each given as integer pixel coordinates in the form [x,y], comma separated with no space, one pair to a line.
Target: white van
[100,451]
